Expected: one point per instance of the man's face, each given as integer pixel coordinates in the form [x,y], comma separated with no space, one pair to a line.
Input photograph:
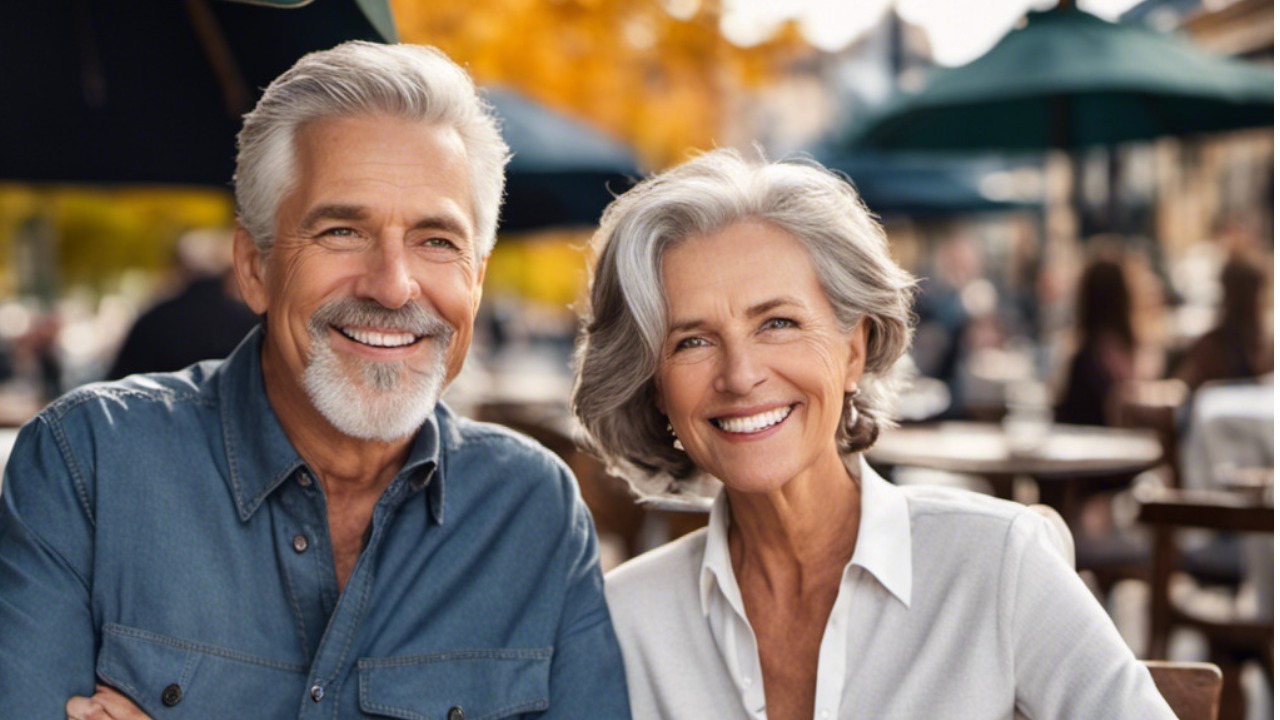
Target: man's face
[372,286]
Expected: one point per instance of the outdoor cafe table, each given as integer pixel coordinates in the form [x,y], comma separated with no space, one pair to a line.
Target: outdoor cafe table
[1067,459]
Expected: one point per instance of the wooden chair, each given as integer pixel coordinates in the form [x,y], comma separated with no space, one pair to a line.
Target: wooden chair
[1232,641]
[1192,689]
[1154,405]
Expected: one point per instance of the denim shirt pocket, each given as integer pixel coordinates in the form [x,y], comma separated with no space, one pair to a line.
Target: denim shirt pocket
[483,684]
[172,678]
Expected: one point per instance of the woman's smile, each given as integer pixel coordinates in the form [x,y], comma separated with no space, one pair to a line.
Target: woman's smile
[753,423]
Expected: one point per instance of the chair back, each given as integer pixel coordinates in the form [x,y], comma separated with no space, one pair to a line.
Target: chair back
[1192,689]
[1232,639]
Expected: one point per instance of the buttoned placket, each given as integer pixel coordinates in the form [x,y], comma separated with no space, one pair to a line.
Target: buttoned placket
[833,652]
[332,658]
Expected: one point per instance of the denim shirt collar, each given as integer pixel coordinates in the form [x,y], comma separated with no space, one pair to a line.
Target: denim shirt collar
[260,455]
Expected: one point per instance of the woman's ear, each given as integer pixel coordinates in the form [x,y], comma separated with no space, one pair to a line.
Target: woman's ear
[658,400]
[857,353]
[250,267]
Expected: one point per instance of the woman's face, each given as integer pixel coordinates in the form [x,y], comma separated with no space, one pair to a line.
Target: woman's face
[754,367]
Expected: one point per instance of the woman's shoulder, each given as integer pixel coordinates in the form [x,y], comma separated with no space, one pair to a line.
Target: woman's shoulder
[959,520]
[659,580]
[958,504]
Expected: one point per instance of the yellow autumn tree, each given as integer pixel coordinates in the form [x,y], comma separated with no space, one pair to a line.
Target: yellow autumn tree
[630,67]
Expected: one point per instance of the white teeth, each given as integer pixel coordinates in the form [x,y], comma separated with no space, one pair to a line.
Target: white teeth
[380,339]
[753,423]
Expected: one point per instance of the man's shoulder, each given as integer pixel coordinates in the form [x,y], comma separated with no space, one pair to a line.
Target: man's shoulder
[487,450]
[170,392]
[495,445]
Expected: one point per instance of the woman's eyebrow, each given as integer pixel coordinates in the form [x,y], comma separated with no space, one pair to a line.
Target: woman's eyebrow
[771,305]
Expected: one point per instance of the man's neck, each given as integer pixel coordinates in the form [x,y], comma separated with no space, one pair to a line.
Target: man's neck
[346,465]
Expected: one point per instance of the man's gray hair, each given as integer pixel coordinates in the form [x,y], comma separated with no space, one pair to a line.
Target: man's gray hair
[359,78]
[625,321]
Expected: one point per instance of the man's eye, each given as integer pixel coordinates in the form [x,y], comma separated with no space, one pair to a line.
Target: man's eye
[338,232]
[442,243]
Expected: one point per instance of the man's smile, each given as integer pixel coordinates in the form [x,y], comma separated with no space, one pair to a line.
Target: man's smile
[378,338]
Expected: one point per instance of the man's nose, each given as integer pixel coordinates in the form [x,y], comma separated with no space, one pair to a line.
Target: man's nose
[740,370]
[387,278]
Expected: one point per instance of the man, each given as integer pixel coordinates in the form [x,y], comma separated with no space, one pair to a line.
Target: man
[302,530]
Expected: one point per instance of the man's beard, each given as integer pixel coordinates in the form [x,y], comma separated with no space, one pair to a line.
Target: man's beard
[385,401]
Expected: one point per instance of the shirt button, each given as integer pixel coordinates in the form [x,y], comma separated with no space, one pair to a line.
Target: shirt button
[456,713]
[171,695]
[746,682]
[304,479]
[826,714]
[317,693]
[300,543]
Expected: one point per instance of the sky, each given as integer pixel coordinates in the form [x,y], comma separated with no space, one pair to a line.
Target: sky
[958,30]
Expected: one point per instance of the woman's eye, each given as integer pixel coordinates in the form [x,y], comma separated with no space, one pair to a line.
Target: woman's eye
[690,342]
[779,324]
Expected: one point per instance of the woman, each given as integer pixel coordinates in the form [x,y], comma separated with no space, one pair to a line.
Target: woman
[744,321]
[1107,344]
[1239,346]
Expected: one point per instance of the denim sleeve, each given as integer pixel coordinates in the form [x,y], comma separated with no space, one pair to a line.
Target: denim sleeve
[587,675]
[47,638]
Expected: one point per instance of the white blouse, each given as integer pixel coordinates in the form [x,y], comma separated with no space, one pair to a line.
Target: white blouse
[954,605]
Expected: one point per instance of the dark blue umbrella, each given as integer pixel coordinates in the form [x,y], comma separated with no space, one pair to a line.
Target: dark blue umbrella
[922,186]
[563,172]
[150,91]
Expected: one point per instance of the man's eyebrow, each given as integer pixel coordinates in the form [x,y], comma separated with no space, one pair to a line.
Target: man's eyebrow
[445,223]
[339,211]
[333,211]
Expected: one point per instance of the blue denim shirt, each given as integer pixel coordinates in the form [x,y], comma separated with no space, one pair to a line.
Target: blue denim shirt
[162,534]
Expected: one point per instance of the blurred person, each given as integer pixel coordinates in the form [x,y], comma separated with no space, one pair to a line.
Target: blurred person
[1106,341]
[269,536]
[946,315]
[743,322]
[1239,346]
[205,319]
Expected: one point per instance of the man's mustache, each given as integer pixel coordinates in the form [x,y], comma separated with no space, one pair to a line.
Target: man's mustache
[414,318]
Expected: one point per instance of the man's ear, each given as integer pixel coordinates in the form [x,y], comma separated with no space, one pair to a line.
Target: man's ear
[250,268]
[480,268]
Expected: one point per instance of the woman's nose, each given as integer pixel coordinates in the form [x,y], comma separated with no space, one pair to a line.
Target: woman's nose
[740,371]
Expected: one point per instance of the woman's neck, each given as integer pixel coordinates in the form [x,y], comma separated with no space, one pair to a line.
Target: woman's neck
[798,534]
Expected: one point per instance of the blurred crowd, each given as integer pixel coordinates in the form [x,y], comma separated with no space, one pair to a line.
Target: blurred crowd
[1079,325]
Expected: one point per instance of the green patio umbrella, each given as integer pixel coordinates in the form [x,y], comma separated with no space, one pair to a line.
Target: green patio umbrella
[1068,80]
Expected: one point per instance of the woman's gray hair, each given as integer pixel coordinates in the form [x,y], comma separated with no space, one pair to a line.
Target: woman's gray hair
[357,78]
[625,321]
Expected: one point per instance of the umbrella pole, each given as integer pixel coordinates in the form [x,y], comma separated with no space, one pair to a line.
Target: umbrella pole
[235,95]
